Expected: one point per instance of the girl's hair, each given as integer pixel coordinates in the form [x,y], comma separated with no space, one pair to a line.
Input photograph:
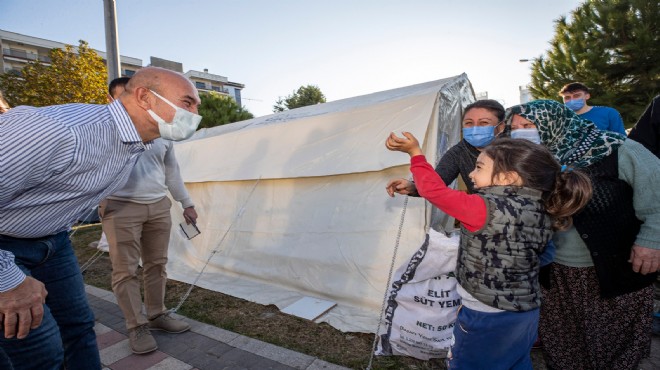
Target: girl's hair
[491,105]
[565,190]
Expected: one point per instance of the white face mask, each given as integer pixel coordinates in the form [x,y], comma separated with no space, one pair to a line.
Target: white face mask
[531,134]
[183,124]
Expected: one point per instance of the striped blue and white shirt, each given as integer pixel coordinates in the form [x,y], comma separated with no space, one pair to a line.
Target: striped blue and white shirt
[57,162]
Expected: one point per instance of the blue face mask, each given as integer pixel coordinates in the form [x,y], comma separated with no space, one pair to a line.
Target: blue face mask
[575,104]
[479,136]
[531,134]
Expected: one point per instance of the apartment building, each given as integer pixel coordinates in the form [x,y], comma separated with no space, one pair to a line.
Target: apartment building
[16,50]
[204,81]
[525,94]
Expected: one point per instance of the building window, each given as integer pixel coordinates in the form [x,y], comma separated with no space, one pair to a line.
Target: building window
[237,97]
[128,73]
[13,71]
[200,85]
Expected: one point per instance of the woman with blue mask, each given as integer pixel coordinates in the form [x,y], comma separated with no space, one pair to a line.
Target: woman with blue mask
[482,122]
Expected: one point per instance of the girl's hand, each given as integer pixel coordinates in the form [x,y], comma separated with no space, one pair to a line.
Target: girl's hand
[408,144]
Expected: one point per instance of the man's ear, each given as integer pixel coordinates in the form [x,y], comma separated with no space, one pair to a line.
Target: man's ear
[143,97]
[587,96]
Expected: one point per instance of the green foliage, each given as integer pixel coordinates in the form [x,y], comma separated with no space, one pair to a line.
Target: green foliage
[612,46]
[217,109]
[70,78]
[306,95]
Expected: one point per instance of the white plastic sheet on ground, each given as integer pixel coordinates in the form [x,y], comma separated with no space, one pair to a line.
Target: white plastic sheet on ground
[318,223]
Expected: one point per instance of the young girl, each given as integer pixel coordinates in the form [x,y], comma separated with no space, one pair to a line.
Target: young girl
[522,195]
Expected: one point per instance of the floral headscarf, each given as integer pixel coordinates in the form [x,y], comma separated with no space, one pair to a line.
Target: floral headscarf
[573,140]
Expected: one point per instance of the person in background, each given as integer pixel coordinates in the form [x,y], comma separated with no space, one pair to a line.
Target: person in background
[517,183]
[57,163]
[647,129]
[136,220]
[115,89]
[4,106]
[596,312]
[575,97]
[480,121]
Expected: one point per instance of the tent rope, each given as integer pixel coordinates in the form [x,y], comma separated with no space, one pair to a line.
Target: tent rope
[389,281]
[217,249]
[91,261]
[74,229]
[95,257]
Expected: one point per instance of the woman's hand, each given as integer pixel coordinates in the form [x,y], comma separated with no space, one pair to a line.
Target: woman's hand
[644,260]
[400,186]
[407,144]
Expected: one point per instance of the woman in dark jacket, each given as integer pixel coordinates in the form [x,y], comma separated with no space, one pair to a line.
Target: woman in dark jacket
[647,129]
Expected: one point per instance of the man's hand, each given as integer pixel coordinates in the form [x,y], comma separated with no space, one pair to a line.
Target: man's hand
[400,186]
[407,144]
[644,260]
[22,308]
[190,215]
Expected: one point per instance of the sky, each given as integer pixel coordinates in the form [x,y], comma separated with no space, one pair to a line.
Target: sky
[345,47]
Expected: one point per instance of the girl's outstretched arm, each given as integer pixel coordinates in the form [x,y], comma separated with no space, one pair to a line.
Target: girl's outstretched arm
[469,209]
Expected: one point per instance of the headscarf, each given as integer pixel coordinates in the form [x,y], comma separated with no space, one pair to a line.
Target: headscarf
[573,140]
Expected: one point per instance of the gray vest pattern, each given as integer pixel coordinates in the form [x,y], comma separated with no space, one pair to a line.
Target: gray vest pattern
[499,264]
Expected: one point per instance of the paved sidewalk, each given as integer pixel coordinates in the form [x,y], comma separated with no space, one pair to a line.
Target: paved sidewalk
[653,361]
[208,347]
[203,347]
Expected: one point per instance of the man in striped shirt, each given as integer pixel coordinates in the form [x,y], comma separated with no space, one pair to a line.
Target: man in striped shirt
[56,163]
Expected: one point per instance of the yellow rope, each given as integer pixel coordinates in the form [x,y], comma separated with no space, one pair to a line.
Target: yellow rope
[85,226]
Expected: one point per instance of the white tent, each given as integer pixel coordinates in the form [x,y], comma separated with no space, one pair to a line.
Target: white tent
[294,203]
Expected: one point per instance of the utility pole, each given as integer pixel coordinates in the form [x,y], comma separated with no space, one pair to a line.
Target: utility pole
[111,40]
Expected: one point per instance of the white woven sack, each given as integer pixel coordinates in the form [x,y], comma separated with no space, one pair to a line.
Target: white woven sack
[422,303]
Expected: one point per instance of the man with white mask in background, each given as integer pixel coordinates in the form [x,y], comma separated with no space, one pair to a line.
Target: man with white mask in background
[136,220]
[83,153]
[116,87]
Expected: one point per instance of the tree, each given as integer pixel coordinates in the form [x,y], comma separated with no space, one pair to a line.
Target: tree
[70,78]
[306,95]
[217,109]
[612,46]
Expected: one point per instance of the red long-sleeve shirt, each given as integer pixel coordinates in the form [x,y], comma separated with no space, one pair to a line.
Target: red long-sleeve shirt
[469,209]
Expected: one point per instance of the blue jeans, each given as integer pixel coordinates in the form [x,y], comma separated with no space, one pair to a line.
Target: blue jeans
[494,341]
[66,334]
